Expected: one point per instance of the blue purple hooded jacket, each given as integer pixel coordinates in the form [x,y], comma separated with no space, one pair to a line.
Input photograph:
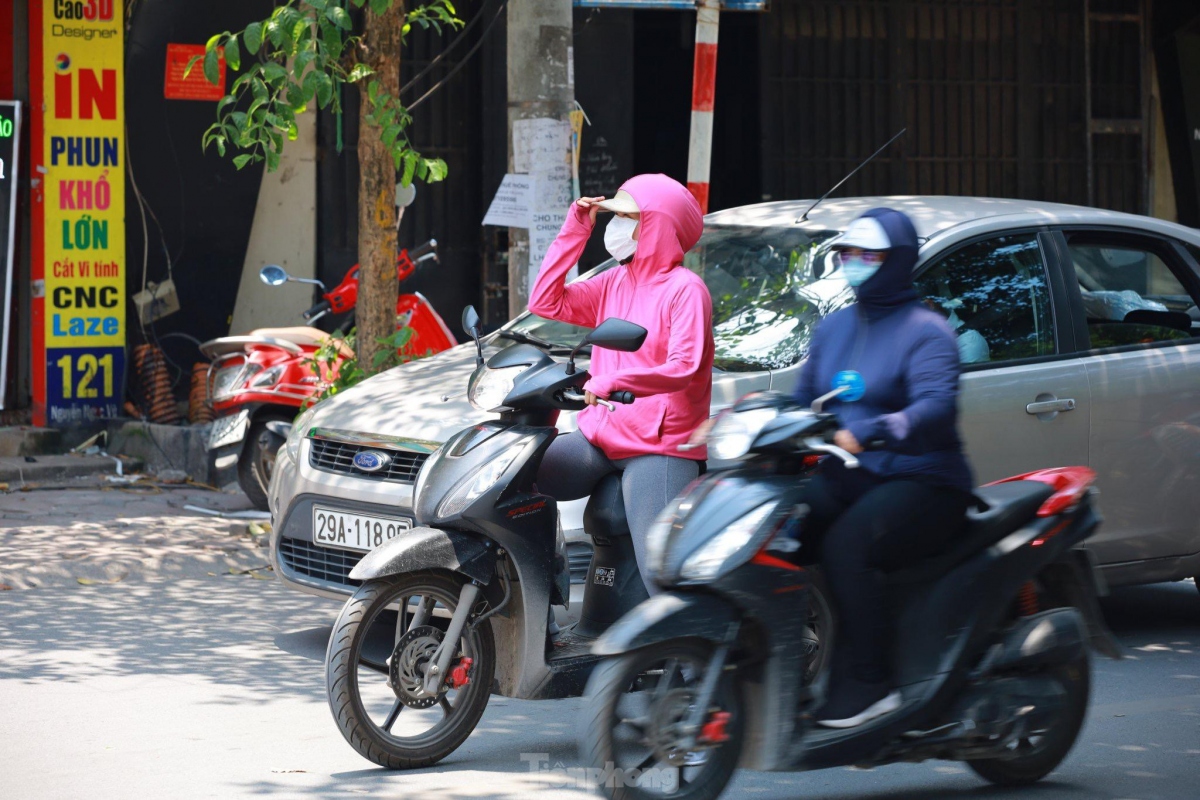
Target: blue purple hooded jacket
[908,359]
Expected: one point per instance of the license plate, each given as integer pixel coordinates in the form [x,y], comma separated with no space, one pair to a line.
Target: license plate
[228,430]
[350,531]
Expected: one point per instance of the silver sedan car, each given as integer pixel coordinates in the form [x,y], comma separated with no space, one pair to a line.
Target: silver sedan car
[1078,330]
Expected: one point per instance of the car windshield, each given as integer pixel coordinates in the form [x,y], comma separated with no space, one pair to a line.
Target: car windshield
[766,297]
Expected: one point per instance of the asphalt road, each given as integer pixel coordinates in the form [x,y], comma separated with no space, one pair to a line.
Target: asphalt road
[212,687]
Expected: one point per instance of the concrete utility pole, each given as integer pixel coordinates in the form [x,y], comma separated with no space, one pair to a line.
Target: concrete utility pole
[540,84]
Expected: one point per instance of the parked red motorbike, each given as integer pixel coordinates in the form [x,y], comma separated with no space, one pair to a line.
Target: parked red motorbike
[259,382]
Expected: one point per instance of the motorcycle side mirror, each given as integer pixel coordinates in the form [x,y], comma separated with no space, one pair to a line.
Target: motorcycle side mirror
[617,334]
[612,334]
[470,323]
[405,194]
[273,275]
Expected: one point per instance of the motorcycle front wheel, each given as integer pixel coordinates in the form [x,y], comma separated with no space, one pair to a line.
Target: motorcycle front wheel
[375,664]
[257,462]
[634,710]
[1033,757]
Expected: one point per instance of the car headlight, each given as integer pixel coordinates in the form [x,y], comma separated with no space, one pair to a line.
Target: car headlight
[477,483]
[489,387]
[734,433]
[268,378]
[291,445]
[709,561]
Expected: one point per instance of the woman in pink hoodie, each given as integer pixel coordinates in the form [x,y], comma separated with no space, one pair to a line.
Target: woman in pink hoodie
[657,221]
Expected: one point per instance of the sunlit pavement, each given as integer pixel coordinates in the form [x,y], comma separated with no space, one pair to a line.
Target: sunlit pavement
[212,687]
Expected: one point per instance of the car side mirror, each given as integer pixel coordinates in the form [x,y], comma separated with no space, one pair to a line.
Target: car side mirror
[617,334]
[470,323]
[273,275]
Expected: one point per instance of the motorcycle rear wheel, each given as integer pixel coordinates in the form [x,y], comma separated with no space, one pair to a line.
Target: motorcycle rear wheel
[364,620]
[657,672]
[1032,758]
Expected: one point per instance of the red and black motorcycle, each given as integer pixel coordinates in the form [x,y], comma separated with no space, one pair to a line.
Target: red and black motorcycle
[259,382]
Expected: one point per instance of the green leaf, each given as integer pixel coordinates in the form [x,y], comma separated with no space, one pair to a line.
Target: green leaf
[212,42]
[242,160]
[293,132]
[359,72]
[389,134]
[191,63]
[233,54]
[238,118]
[319,5]
[259,90]
[437,170]
[275,32]
[295,97]
[220,140]
[340,17]
[324,89]
[253,36]
[274,72]
[309,85]
[422,169]
[224,101]
[212,70]
[380,6]
[301,62]
[332,36]
[410,166]
[272,160]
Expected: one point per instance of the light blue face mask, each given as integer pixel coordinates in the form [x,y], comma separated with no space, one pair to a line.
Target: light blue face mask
[858,271]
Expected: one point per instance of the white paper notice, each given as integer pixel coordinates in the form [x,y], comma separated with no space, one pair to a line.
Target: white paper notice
[510,207]
[542,232]
[540,144]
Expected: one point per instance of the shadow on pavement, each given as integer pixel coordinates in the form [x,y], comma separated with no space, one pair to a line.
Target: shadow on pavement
[227,629]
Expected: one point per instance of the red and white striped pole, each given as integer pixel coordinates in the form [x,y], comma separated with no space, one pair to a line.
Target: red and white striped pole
[704,89]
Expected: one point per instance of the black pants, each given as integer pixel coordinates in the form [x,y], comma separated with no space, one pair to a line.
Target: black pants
[893,525]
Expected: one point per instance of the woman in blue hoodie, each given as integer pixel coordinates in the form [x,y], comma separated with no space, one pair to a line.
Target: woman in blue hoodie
[899,414]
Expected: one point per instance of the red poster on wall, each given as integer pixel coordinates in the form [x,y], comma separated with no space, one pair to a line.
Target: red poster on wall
[195,86]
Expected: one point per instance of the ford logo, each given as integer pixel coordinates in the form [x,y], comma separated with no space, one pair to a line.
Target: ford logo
[371,460]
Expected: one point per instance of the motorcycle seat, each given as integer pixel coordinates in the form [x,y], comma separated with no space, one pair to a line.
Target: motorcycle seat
[304,336]
[999,510]
[604,516]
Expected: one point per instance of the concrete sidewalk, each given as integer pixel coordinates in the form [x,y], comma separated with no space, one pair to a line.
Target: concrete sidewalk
[108,534]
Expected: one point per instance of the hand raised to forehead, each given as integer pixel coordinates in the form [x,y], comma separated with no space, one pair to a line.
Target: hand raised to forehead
[590,203]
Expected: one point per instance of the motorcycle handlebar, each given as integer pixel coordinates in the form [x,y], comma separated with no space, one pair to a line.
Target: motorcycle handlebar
[621,397]
[424,249]
[319,308]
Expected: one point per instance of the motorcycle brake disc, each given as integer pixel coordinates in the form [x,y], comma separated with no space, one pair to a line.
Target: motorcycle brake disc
[406,667]
[667,719]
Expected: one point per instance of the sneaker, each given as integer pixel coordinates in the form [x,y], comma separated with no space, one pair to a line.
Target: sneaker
[858,703]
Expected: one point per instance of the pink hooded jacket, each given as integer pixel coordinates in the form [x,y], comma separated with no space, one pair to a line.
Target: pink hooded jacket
[671,375]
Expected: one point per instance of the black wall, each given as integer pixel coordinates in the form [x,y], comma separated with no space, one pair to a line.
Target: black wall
[199,208]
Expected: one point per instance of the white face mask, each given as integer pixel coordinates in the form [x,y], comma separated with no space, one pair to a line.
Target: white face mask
[618,237]
[858,271]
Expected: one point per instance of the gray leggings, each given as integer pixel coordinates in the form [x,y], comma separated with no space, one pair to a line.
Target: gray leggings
[573,466]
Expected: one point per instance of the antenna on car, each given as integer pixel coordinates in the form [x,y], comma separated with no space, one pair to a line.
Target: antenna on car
[804,217]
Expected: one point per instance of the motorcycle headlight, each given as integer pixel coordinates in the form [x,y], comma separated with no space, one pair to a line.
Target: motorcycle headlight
[269,377]
[710,560]
[472,487]
[489,387]
[291,445]
[734,433]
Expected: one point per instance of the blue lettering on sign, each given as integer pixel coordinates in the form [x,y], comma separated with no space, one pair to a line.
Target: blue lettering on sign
[854,384]
[86,326]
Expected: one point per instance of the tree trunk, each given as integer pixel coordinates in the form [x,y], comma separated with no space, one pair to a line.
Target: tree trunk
[377,289]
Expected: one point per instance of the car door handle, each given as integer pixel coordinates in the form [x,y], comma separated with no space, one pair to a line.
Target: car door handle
[1049,406]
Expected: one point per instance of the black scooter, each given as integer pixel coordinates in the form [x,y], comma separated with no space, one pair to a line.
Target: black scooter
[991,656]
[458,608]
